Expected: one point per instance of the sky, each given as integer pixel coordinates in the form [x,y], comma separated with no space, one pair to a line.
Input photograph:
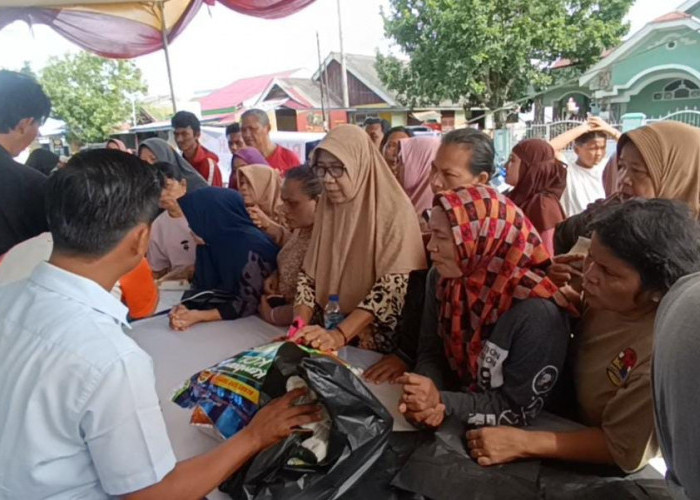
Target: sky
[220,45]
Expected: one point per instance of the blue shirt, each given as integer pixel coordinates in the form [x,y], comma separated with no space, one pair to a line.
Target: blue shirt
[79,412]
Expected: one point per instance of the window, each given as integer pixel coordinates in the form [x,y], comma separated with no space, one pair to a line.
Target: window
[678,89]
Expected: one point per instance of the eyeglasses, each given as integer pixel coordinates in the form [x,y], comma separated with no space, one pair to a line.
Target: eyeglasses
[336,171]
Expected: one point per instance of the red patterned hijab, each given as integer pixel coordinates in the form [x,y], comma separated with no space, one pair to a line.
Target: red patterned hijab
[503,259]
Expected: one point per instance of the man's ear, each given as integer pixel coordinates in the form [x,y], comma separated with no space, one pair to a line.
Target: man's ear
[196,134]
[482,178]
[23,125]
[139,238]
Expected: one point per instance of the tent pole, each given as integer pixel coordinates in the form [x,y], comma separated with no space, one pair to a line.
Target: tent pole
[164,33]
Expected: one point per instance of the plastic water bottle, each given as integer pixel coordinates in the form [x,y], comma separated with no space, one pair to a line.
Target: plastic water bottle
[332,316]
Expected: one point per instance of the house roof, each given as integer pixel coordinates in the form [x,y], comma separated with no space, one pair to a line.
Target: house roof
[671,20]
[362,68]
[671,16]
[237,93]
[303,93]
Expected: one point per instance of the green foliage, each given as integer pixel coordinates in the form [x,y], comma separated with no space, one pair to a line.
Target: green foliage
[486,53]
[91,94]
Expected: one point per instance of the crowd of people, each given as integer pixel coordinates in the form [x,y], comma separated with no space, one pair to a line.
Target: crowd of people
[574,292]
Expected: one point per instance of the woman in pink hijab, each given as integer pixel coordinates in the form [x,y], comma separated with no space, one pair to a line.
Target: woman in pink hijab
[416,157]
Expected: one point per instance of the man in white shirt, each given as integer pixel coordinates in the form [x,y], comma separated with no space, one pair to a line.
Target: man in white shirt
[80,417]
[584,177]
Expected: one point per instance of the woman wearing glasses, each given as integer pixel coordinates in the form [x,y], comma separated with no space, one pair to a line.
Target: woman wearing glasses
[365,242]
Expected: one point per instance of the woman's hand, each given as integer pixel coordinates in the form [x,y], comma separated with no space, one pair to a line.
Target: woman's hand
[265,310]
[319,338]
[259,218]
[182,318]
[419,394]
[387,369]
[180,273]
[565,268]
[271,284]
[497,445]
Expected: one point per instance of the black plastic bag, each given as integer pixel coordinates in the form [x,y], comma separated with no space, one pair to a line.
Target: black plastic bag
[359,433]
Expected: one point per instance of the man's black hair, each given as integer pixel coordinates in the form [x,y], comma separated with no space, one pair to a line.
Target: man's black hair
[481,146]
[234,128]
[589,136]
[310,182]
[97,198]
[377,121]
[184,119]
[167,171]
[660,239]
[21,97]
[392,131]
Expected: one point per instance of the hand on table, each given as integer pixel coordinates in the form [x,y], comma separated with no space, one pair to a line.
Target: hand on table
[564,268]
[319,338]
[497,445]
[387,369]
[279,418]
[259,218]
[182,318]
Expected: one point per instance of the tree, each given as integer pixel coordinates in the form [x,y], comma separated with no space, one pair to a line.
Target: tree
[91,94]
[488,53]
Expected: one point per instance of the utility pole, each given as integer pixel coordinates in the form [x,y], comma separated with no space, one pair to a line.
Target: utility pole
[320,82]
[343,65]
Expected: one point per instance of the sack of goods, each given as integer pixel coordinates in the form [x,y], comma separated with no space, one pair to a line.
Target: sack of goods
[322,460]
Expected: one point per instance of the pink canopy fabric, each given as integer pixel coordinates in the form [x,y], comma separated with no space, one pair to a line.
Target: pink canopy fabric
[123,29]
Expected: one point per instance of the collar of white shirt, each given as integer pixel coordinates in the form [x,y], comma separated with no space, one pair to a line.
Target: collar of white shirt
[80,289]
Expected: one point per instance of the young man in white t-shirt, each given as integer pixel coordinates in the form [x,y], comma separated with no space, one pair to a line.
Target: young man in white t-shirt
[584,177]
[172,248]
[80,416]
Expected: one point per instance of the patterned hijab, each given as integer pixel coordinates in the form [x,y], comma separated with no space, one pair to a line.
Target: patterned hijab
[502,258]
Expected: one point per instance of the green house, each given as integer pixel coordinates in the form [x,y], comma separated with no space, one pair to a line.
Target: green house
[656,72]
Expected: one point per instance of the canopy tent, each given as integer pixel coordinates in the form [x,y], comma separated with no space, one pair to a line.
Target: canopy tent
[125,29]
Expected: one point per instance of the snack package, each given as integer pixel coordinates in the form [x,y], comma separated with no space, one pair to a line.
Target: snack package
[227,396]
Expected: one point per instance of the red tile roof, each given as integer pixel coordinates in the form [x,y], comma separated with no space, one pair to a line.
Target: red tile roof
[236,93]
[672,16]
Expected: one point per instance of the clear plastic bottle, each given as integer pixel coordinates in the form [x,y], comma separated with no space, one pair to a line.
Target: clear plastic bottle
[332,316]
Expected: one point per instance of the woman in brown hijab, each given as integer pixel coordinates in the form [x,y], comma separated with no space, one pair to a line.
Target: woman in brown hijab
[261,188]
[661,160]
[365,242]
[538,181]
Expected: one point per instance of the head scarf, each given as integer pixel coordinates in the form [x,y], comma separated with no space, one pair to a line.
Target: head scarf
[541,182]
[42,160]
[219,217]
[266,186]
[502,258]
[164,152]
[251,156]
[671,151]
[374,233]
[119,144]
[415,161]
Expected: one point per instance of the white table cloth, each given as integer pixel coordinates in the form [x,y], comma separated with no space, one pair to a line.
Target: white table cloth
[178,355]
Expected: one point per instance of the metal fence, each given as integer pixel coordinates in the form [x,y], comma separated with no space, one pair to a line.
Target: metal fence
[689,116]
